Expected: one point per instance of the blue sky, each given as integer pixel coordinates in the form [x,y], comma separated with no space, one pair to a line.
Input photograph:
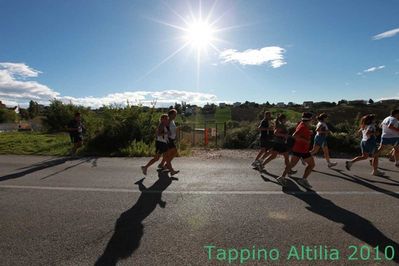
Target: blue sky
[98,52]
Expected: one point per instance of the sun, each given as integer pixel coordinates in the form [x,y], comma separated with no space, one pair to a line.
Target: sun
[199,34]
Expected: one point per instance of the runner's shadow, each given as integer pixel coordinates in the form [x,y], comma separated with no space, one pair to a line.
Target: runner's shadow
[353,224]
[67,168]
[129,226]
[395,183]
[356,180]
[269,180]
[388,170]
[37,167]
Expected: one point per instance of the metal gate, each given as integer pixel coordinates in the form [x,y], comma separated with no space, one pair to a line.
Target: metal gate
[207,134]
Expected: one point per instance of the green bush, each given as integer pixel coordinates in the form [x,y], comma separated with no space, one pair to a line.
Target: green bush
[343,143]
[7,115]
[241,137]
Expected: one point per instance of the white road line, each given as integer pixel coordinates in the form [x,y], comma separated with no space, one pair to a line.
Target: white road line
[229,192]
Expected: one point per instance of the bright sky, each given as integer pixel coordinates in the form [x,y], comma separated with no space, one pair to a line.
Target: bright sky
[100,52]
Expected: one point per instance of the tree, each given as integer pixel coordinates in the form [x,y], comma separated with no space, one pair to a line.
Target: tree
[7,115]
[33,109]
[371,101]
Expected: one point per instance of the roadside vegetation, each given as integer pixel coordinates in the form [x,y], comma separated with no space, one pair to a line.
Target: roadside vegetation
[130,130]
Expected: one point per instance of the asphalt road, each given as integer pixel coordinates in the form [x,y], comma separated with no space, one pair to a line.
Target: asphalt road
[87,211]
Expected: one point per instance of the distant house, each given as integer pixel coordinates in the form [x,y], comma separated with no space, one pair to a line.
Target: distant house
[291,104]
[2,105]
[308,104]
[389,101]
[280,104]
[221,105]
[236,104]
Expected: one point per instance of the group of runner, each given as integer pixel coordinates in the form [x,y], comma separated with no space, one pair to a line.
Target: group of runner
[165,145]
[275,139]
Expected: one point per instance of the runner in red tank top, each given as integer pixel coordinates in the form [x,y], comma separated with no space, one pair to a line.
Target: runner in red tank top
[301,149]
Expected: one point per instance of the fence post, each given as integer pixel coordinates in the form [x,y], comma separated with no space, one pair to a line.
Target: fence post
[193,139]
[216,129]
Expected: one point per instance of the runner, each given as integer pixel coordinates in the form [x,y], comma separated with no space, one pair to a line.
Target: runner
[368,144]
[75,128]
[390,134]
[161,144]
[266,134]
[300,150]
[279,145]
[320,140]
[166,162]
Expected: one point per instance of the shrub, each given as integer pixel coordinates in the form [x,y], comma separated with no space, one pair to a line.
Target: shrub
[241,138]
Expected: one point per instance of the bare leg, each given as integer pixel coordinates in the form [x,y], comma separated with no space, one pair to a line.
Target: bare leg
[152,161]
[375,163]
[287,164]
[271,157]
[170,155]
[364,156]
[267,153]
[326,153]
[396,155]
[294,161]
[315,150]
[261,152]
[311,164]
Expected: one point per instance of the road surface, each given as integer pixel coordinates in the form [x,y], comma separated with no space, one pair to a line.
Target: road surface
[87,211]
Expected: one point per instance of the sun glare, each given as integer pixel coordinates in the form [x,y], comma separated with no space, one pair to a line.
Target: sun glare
[199,34]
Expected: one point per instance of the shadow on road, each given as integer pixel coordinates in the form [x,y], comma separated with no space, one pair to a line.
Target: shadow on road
[43,165]
[356,180]
[353,224]
[128,227]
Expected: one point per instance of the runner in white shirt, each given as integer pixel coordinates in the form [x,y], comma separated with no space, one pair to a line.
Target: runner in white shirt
[172,151]
[367,144]
[320,140]
[161,144]
[390,134]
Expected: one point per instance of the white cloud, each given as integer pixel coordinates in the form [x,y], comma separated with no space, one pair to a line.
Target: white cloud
[16,89]
[371,69]
[14,84]
[162,98]
[386,34]
[272,55]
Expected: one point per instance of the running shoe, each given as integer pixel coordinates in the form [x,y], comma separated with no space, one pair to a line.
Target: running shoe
[332,164]
[255,163]
[348,165]
[260,167]
[160,166]
[292,172]
[144,170]
[397,164]
[140,181]
[378,173]
[303,161]
[172,173]
[304,182]
[371,162]
[282,181]
[391,158]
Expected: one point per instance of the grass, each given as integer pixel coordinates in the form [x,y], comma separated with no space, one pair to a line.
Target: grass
[33,143]
[222,114]
[36,143]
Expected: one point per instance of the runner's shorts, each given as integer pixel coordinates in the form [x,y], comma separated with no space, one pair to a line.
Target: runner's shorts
[161,147]
[390,141]
[368,146]
[320,140]
[266,143]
